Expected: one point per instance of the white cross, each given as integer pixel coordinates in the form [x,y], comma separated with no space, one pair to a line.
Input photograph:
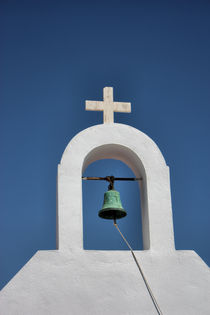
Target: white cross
[108,106]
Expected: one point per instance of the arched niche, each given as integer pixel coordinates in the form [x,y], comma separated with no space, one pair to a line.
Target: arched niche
[127,156]
[141,154]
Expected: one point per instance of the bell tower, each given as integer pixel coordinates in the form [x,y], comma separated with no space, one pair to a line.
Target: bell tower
[140,153]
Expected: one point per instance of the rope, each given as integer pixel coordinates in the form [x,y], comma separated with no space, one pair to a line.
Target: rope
[141,272]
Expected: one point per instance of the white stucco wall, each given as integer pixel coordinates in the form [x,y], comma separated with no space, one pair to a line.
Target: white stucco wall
[71,280]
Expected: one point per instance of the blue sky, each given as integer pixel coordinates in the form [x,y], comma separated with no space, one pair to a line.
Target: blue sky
[57,54]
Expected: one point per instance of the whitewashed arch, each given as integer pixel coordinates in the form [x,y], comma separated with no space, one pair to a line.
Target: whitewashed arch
[142,155]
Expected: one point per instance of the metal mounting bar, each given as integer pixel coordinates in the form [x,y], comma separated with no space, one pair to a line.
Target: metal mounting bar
[111,178]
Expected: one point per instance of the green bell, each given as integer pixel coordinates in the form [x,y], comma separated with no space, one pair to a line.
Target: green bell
[112,208]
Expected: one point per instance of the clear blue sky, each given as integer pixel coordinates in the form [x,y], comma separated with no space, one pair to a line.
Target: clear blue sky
[57,54]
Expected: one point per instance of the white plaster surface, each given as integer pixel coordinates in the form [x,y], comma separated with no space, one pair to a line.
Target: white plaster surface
[71,280]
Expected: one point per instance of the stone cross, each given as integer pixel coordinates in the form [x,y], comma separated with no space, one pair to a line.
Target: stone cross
[108,106]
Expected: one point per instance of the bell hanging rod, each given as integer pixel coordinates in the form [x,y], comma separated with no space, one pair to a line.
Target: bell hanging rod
[112,178]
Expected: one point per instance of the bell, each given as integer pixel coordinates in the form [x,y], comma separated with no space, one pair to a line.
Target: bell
[112,207]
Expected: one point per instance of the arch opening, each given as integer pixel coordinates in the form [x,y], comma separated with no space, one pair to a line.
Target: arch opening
[127,156]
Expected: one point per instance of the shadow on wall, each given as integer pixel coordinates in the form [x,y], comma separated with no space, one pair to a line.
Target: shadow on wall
[100,234]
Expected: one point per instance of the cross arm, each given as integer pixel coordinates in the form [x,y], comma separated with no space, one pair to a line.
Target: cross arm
[94,105]
[122,107]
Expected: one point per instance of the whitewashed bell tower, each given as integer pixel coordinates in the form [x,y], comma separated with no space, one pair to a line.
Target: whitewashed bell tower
[71,280]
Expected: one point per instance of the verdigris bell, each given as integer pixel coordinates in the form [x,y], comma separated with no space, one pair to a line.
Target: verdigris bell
[112,207]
